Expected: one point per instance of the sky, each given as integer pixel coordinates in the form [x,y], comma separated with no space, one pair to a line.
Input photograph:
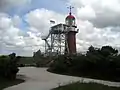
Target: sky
[24,22]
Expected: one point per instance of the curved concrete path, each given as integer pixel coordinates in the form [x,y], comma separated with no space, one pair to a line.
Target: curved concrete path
[40,79]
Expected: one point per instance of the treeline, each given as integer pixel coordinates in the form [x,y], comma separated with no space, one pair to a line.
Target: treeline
[100,63]
[8,66]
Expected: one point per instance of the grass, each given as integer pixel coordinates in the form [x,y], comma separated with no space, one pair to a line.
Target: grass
[26,60]
[92,75]
[4,83]
[86,86]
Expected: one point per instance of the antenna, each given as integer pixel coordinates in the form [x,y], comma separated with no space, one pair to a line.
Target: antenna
[70,7]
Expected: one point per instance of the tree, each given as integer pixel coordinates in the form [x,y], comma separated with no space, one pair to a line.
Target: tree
[108,50]
[91,49]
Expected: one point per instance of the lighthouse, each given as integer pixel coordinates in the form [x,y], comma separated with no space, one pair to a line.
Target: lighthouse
[71,33]
[62,37]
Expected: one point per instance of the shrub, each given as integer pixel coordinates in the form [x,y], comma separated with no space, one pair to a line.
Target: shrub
[8,66]
[102,63]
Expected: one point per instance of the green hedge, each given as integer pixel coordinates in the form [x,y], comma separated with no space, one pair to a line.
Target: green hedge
[8,66]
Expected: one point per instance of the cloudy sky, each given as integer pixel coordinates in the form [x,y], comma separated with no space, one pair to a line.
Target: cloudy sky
[23,22]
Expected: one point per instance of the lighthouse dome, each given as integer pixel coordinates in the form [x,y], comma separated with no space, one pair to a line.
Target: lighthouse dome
[70,17]
[70,20]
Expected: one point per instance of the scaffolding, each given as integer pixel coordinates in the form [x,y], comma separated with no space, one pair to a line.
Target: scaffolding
[55,41]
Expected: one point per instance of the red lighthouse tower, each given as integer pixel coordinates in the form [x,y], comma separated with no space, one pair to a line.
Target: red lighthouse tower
[71,33]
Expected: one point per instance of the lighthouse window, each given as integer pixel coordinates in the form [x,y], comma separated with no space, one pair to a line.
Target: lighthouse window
[70,22]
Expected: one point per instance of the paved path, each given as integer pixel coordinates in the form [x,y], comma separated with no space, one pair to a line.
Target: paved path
[40,79]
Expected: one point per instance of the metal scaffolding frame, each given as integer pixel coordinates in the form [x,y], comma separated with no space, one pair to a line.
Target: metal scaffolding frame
[55,41]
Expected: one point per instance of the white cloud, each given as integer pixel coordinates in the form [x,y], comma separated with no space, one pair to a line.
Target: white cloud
[13,39]
[39,19]
[5,23]
[102,13]
[89,35]
[16,21]
[86,13]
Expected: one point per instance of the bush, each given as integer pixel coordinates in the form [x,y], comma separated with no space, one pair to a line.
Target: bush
[40,60]
[100,63]
[8,66]
[59,65]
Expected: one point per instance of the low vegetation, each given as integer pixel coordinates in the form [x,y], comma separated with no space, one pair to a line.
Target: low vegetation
[86,86]
[40,60]
[98,63]
[4,83]
[8,70]
[26,61]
